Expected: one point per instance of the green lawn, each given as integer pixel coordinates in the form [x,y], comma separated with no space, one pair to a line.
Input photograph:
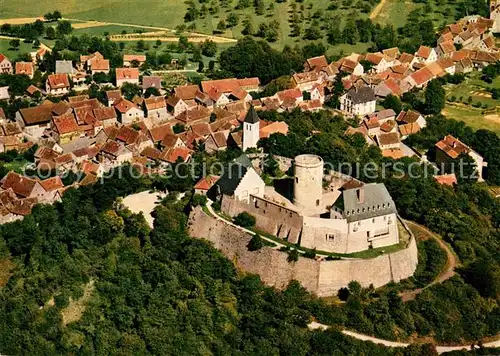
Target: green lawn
[395,12]
[110,29]
[11,54]
[472,117]
[475,88]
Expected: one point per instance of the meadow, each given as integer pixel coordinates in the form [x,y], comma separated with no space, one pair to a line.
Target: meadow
[473,91]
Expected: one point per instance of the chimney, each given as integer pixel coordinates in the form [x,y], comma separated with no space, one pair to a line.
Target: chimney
[454,145]
[360,193]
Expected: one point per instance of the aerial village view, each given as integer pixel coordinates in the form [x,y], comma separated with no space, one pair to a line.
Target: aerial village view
[250,177]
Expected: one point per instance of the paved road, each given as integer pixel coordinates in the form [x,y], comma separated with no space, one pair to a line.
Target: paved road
[440,349]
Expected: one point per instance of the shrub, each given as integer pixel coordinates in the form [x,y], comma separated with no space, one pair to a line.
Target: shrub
[293,255]
[255,243]
[244,219]
[452,98]
[198,199]
[310,253]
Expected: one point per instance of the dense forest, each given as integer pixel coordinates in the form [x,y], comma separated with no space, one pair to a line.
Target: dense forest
[92,278]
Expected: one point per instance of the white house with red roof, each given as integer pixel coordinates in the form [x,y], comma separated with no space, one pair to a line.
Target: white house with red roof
[58,84]
[5,65]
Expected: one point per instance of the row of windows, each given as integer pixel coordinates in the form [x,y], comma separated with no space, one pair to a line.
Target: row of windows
[367,209]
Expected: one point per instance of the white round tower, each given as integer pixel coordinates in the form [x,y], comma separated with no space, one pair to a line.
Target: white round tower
[308,182]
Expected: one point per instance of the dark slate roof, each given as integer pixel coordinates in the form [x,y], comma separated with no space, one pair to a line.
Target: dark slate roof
[252,117]
[231,178]
[244,160]
[376,202]
[361,95]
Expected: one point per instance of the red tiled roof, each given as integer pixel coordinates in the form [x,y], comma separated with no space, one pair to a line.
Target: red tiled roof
[124,105]
[58,81]
[206,183]
[422,76]
[186,92]
[452,147]
[447,47]
[155,102]
[127,135]
[24,68]
[446,179]
[51,184]
[424,52]
[179,152]
[158,133]
[289,94]
[127,73]
[65,124]
[134,57]
[99,64]
[317,62]
[21,185]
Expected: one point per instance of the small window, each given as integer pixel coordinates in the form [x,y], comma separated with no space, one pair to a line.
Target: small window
[317,202]
[296,180]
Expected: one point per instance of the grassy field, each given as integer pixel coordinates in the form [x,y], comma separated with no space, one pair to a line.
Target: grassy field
[170,14]
[476,89]
[7,50]
[395,12]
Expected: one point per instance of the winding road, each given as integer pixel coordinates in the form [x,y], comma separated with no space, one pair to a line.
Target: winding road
[451,262]
[440,349]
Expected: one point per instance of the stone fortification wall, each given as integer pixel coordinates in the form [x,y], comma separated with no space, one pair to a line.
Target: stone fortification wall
[323,278]
[272,218]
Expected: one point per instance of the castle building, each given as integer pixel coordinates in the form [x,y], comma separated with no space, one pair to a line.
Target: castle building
[251,129]
[343,218]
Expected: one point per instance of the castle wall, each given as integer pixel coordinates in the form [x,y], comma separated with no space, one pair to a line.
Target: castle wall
[271,217]
[337,235]
[325,234]
[322,278]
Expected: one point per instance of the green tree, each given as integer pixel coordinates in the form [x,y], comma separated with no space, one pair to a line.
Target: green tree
[255,243]
[244,219]
[435,97]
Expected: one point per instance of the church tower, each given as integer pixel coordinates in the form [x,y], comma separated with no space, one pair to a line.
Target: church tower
[251,128]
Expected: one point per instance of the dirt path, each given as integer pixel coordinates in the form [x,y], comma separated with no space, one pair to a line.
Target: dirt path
[217,39]
[449,270]
[20,20]
[440,349]
[377,9]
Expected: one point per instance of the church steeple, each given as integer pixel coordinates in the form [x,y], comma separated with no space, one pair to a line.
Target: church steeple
[251,129]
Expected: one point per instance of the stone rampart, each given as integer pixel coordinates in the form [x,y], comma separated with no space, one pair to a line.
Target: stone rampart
[322,278]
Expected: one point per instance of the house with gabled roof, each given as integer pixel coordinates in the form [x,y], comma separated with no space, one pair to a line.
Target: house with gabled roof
[216,141]
[5,65]
[411,117]
[65,128]
[128,112]
[450,148]
[306,81]
[127,75]
[358,101]
[114,154]
[35,120]
[315,63]
[151,81]
[25,68]
[58,84]
[113,96]
[176,105]
[426,54]
[205,184]
[445,49]
[156,108]
[129,59]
